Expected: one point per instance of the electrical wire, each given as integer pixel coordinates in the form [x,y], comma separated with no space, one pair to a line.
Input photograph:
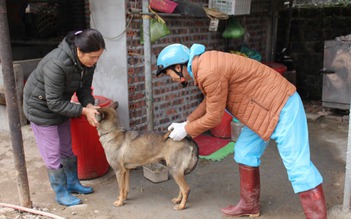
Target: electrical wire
[111,37]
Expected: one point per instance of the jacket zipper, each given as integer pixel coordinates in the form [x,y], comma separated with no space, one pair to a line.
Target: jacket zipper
[81,77]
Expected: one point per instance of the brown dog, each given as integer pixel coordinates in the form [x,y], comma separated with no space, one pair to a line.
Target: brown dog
[126,150]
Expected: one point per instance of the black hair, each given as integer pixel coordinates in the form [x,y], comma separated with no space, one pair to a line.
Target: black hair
[88,40]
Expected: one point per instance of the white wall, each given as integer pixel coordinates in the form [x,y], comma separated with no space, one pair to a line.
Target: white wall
[110,79]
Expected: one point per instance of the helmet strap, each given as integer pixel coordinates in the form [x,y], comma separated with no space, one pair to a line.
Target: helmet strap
[180,74]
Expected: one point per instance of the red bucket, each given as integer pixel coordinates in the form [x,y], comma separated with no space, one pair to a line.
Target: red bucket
[277,67]
[86,145]
[223,130]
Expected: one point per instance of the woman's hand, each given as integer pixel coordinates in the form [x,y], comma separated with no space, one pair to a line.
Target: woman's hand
[89,112]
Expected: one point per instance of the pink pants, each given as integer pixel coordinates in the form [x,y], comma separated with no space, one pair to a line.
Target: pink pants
[54,142]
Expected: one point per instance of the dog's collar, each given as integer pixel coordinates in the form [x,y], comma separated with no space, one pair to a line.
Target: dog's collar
[103,134]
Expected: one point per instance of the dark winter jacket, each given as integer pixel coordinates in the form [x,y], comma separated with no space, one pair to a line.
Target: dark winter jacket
[49,88]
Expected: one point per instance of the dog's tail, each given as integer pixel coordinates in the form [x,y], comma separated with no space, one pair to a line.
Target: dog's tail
[194,155]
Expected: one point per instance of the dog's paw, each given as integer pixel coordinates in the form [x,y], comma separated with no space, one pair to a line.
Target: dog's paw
[118,203]
[178,207]
[176,200]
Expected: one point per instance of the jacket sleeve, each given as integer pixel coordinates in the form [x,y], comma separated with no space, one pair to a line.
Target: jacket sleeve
[215,89]
[198,112]
[54,80]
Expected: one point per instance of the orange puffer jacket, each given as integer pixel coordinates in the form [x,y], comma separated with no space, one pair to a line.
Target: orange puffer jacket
[253,92]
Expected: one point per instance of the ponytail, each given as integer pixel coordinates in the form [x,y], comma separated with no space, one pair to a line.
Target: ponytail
[88,40]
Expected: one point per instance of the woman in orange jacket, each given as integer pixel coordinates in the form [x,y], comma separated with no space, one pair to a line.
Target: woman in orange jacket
[265,102]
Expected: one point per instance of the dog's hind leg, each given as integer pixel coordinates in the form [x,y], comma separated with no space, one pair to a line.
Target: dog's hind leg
[183,193]
[120,175]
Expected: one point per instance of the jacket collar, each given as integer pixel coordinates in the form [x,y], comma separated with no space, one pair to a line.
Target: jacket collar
[195,50]
[71,51]
[76,60]
[195,67]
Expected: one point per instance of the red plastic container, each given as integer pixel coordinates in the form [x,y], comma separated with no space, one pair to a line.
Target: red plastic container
[277,66]
[223,130]
[86,145]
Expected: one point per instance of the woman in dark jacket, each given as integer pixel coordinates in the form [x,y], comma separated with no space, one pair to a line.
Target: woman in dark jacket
[47,105]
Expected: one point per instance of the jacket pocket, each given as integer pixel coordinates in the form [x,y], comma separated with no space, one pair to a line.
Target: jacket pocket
[38,95]
[41,97]
[253,101]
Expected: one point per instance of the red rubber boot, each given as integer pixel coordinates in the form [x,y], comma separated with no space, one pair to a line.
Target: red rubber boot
[249,204]
[313,203]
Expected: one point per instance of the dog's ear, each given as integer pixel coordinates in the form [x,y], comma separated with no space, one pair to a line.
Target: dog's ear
[166,135]
[114,105]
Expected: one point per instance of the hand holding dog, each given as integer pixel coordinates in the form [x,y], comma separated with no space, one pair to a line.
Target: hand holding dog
[90,111]
[179,132]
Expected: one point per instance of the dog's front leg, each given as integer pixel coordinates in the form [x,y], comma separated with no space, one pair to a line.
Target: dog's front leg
[120,175]
[126,180]
[178,199]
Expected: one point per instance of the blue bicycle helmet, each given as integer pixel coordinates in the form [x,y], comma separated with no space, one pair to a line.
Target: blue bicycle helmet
[172,55]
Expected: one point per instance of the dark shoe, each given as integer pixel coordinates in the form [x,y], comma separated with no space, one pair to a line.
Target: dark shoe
[73,184]
[59,185]
[313,203]
[249,204]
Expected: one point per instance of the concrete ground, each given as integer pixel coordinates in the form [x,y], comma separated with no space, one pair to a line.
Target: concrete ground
[213,184]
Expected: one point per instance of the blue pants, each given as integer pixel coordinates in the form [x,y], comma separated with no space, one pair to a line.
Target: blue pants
[291,136]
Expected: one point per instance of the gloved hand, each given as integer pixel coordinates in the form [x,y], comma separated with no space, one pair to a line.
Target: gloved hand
[178,132]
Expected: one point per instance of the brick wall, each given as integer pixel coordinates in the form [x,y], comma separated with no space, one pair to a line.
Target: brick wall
[171,102]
